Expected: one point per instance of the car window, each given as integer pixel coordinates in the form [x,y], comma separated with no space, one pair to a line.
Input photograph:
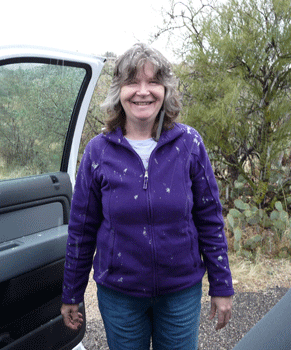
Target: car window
[36,104]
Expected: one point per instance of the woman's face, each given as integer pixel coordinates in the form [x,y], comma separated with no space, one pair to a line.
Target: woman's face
[143,97]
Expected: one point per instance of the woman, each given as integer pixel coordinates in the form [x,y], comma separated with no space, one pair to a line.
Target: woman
[147,200]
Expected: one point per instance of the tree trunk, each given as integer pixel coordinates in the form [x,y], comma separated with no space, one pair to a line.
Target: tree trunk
[265,160]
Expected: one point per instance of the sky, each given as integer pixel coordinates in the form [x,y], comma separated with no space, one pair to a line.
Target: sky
[87,26]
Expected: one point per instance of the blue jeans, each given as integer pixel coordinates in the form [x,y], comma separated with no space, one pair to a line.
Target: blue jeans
[172,320]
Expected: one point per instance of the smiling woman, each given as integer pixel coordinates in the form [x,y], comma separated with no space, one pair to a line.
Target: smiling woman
[142,74]
[142,100]
[147,199]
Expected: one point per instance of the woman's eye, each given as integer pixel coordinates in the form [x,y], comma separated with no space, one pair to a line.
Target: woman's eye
[130,82]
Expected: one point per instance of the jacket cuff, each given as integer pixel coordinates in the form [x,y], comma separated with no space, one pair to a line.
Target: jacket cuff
[71,301]
[221,293]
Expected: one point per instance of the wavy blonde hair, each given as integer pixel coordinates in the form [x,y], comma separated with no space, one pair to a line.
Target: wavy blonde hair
[126,69]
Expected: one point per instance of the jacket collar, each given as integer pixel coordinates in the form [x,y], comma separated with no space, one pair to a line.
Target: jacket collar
[117,137]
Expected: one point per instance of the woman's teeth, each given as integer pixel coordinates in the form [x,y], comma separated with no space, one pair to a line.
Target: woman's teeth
[142,103]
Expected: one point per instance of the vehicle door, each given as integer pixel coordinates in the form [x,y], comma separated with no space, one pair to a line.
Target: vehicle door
[44,98]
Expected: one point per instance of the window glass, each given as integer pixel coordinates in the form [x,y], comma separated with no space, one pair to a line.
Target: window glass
[36,103]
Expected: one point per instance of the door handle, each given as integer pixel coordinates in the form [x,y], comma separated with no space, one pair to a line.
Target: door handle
[55,182]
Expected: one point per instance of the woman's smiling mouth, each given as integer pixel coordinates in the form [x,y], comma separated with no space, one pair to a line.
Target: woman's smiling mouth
[143,103]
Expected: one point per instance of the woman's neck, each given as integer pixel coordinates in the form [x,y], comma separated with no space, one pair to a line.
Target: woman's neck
[138,133]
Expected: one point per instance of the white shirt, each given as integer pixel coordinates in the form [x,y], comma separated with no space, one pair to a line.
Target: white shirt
[143,148]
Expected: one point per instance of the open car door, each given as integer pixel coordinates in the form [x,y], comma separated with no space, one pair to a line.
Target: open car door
[44,98]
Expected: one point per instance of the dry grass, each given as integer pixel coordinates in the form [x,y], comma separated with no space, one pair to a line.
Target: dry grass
[261,274]
[18,172]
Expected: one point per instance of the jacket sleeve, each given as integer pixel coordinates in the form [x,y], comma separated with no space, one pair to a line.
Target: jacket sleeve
[85,219]
[207,216]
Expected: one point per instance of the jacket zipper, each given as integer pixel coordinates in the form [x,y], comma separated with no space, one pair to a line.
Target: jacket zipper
[153,247]
[145,187]
[145,180]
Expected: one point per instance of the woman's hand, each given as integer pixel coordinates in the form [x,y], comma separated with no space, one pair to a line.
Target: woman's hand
[71,316]
[223,306]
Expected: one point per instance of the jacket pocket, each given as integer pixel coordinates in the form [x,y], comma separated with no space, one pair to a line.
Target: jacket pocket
[195,248]
[104,254]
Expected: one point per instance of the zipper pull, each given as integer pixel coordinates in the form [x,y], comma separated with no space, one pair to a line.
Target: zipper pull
[145,180]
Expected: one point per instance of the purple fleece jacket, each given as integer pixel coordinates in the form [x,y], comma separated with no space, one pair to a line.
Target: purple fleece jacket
[154,232]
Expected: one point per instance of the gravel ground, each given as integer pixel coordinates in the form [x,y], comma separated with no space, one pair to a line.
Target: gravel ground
[248,309]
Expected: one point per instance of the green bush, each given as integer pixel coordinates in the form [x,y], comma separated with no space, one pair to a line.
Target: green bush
[252,229]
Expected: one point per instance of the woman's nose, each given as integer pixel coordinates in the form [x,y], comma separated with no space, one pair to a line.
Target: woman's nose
[143,89]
